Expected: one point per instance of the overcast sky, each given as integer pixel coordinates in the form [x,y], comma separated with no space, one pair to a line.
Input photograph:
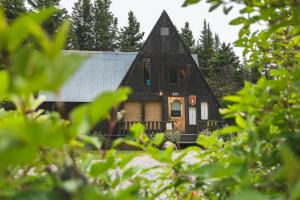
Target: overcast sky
[148,12]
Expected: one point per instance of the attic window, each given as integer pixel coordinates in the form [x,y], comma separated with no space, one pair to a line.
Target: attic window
[164,31]
[147,71]
[183,73]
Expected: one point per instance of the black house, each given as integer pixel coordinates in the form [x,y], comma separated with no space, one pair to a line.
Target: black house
[169,90]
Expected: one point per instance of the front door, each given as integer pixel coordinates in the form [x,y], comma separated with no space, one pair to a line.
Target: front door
[176,107]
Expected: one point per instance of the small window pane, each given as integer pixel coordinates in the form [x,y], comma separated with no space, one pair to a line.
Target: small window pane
[147,71]
[192,116]
[183,73]
[176,109]
[173,75]
[164,31]
[204,110]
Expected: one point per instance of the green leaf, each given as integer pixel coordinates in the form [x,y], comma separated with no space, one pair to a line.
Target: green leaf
[28,25]
[60,39]
[190,2]
[215,6]
[102,166]
[235,99]
[85,117]
[158,138]
[291,168]
[238,21]
[249,195]
[137,130]
[240,122]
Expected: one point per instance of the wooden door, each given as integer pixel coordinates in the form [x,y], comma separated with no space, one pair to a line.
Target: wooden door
[176,107]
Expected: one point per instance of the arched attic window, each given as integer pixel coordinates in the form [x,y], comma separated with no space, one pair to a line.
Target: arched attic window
[176,109]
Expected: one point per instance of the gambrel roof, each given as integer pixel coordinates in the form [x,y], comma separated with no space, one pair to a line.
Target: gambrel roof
[101,71]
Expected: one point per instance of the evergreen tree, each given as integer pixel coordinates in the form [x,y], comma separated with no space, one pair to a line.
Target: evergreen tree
[130,36]
[205,49]
[13,8]
[53,23]
[187,36]
[216,43]
[106,26]
[83,25]
[226,75]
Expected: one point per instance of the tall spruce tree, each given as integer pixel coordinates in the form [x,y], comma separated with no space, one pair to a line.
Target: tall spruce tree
[226,75]
[187,36]
[216,42]
[130,36]
[53,23]
[105,28]
[205,49]
[13,8]
[83,25]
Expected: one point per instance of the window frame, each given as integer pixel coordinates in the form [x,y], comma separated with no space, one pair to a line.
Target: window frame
[204,110]
[164,31]
[176,113]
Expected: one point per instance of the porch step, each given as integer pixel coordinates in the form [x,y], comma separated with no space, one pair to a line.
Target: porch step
[188,138]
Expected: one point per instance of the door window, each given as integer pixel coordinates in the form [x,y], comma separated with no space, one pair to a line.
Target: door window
[176,109]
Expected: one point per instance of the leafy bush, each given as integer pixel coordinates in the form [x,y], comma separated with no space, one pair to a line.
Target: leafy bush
[43,156]
[173,136]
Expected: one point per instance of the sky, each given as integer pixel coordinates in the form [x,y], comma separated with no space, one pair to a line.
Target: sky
[148,12]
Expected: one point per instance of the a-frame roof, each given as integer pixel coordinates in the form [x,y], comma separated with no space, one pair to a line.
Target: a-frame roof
[193,57]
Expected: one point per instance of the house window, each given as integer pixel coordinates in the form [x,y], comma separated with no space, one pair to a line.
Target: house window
[182,73]
[133,112]
[164,31]
[173,75]
[147,71]
[204,110]
[176,109]
[192,116]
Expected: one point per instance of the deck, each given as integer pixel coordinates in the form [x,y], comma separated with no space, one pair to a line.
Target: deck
[187,138]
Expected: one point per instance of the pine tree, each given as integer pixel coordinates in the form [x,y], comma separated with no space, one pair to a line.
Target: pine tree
[130,36]
[106,24]
[53,23]
[205,49]
[226,75]
[187,36]
[216,42]
[13,8]
[83,25]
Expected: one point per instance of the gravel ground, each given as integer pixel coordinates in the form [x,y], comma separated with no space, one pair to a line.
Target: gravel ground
[145,161]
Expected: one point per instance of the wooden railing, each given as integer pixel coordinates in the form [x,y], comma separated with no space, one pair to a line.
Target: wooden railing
[209,125]
[150,127]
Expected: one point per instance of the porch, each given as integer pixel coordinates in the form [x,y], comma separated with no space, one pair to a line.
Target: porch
[188,137]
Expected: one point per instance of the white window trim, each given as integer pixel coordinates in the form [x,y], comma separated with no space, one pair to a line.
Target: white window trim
[204,111]
[192,115]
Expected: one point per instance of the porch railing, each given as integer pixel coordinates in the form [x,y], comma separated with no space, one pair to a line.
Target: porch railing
[202,126]
[150,126]
[210,125]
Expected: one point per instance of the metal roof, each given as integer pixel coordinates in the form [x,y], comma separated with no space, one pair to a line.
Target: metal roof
[101,71]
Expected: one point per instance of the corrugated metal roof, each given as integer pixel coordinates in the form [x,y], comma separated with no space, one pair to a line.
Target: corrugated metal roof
[100,72]
[195,57]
